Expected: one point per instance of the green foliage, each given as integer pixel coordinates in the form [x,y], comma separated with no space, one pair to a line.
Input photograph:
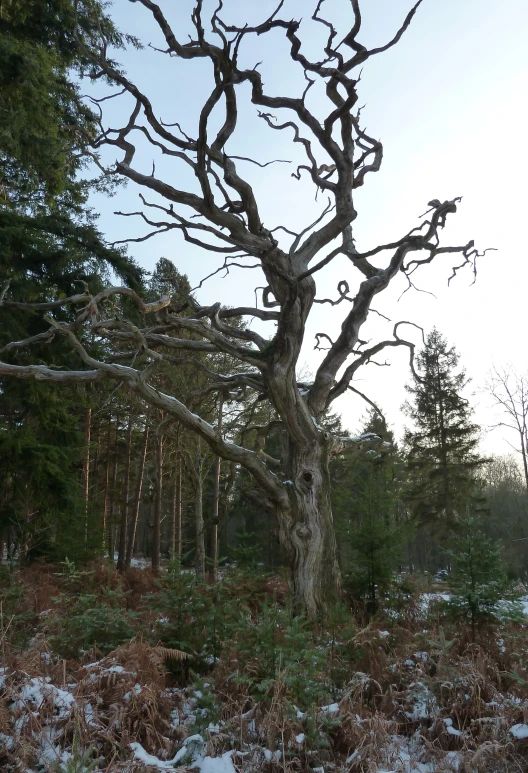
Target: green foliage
[72,574]
[401,599]
[49,248]
[378,550]
[442,458]
[91,620]
[80,763]
[371,527]
[197,618]
[44,124]
[245,551]
[15,618]
[238,624]
[508,511]
[276,648]
[477,580]
[207,710]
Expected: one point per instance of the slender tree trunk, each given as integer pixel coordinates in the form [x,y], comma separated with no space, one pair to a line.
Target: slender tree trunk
[176,516]
[524,450]
[137,499]
[124,504]
[179,524]
[106,484]
[198,516]
[86,467]
[158,498]
[212,575]
[114,492]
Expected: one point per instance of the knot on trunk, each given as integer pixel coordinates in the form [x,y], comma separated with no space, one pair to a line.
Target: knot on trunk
[305,480]
[303,531]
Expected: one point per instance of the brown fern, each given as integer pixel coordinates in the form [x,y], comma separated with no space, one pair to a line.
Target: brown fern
[167,653]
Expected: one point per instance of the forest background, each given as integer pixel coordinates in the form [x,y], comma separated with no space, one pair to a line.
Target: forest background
[89,472]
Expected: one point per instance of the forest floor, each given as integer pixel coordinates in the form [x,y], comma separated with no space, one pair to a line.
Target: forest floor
[137,673]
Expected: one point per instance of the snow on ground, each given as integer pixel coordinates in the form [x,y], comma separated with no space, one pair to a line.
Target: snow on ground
[42,709]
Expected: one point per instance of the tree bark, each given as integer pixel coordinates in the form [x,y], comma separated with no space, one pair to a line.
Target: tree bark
[124,505]
[306,532]
[137,499]
[106,485]
[212,574]
[114,491]
[176,515]
[198,516]
[86,467]
[158,498]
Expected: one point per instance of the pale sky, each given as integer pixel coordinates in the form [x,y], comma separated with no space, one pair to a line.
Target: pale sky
[448,103]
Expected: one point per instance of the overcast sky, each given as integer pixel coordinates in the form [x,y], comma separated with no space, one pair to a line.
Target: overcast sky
[449,104]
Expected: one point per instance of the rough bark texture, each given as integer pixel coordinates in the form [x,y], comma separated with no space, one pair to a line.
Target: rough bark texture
[306,531]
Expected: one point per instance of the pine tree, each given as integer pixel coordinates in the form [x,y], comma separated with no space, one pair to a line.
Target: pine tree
[478,581]
[49,248]
[442,457]
[368,513]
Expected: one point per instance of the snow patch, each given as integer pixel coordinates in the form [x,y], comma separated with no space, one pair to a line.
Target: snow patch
[519,731]
[333,708]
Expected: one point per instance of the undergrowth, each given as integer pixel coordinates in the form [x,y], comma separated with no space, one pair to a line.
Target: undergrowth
[99,671]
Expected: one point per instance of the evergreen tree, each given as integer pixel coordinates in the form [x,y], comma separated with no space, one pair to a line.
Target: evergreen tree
[481,590]
[370,522]
[442,457]
[49,248]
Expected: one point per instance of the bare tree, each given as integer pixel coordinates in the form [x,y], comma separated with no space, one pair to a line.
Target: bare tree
[509,390]
[221,215]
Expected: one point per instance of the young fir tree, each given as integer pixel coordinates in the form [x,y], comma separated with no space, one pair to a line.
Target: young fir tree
[442,456]
[481,590]
[369,519]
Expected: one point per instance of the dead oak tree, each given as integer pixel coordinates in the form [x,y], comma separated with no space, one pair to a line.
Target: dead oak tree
[223,218]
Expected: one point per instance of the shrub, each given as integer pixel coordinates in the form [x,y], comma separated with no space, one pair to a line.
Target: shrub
[478,581]
[93,621]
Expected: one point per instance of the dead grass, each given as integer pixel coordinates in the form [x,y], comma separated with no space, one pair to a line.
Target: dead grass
[416,695]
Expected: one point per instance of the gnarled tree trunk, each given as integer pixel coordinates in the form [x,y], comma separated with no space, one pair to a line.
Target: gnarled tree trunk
[306,531]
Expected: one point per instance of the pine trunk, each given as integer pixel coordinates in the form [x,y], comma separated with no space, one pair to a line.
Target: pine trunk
[178,542]
[198,515]
[212,574]
[86,467]
[114,502]
[124,506]
[158,498]
[106,485]
[132,526]
[176,512]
